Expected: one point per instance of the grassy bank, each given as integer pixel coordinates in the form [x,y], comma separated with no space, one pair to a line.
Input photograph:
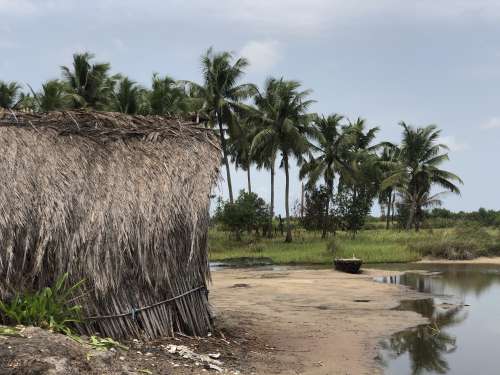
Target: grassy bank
[374,246]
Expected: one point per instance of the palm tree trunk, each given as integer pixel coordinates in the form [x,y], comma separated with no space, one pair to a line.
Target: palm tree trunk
[248,180]
[225,158]
[271,206]
[287,195]
[388,215]
[327,209]
[411,216]
[393,209]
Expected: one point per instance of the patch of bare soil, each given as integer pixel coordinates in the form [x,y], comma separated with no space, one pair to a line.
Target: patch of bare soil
[39,352]
[293,322]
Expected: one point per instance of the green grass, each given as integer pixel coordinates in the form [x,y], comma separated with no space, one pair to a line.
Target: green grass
[373,246]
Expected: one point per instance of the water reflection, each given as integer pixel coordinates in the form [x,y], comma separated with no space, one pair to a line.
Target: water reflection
[459,339]
[426,344]
[461,279]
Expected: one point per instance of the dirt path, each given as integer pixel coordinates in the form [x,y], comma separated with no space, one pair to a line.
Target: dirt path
[312,321]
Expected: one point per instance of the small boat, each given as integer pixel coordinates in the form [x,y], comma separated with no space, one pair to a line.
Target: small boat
[348,265]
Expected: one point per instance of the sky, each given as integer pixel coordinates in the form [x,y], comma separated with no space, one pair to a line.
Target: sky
[420,61]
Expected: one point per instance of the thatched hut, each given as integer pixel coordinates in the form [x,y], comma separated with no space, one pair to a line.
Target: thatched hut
[120,201]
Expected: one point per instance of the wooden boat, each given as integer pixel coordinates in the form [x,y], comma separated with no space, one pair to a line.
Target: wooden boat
[348,265]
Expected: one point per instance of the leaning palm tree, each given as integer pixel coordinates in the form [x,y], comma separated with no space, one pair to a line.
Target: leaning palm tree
[284,126]
[221,95]
[417,170]
[9,94]
[327,157]
[53,96]
[89,84]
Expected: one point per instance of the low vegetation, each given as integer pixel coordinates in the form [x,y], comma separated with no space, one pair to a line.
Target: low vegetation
[373,246]
[51,308]
[460,243]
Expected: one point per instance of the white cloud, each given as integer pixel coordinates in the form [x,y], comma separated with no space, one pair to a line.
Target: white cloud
[492,123]
[262,55]
[13,7]
[454,144]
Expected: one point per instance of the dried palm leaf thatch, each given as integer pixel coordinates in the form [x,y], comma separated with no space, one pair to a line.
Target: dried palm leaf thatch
[120,201]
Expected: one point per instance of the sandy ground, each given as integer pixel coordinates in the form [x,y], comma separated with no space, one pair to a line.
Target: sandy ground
[480,260]
[312,321]
[289,321]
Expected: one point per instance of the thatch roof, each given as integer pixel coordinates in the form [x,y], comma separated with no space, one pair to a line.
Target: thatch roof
[120,201]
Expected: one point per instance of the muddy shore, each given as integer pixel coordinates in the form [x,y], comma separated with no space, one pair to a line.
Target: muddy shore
[313,321]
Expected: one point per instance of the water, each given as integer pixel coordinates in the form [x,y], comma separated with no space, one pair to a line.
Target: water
[463,336]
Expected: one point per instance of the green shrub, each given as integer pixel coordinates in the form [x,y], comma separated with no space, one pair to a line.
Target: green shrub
[335,247]
[50,308]
[464,242]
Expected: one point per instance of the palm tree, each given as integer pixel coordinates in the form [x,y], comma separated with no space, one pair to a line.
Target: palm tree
[222,95]
[53,96]
[284,126]
[240,141]
[127,98]
[326,159]
[388,157]
[166,96]
[417,169]
[9,94]
[89,84]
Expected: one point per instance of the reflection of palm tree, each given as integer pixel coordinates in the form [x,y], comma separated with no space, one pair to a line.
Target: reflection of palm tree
[426,344]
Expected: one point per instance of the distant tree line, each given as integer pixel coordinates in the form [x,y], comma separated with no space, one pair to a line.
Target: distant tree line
[344,169]
[441,217]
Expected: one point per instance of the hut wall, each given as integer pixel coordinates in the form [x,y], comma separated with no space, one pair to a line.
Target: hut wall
[120,202]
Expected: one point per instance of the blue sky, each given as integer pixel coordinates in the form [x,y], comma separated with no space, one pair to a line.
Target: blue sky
[426,61]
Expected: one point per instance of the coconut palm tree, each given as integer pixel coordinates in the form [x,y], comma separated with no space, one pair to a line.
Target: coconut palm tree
[284,126]
[167,97]
[327,157]
[127,97]
[9,94]
[53,96]
[388,159]
[240,142]
[221,95]
[417,169]
[89,84]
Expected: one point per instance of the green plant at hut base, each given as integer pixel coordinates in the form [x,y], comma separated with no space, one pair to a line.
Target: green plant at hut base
[50,308]
[104,344]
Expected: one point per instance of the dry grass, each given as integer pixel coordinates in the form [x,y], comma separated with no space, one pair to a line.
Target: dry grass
[120,201]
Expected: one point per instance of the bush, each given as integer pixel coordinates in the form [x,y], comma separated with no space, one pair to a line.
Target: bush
[335,247]
[49,308]
[248,212]
[464,242]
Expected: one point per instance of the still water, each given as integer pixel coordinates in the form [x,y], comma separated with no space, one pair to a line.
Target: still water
[463,336]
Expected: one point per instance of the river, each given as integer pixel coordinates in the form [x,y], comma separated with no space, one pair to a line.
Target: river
[463,308]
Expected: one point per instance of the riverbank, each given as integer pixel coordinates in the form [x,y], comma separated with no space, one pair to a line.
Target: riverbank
[373,246]
[480,260]
[312,321]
